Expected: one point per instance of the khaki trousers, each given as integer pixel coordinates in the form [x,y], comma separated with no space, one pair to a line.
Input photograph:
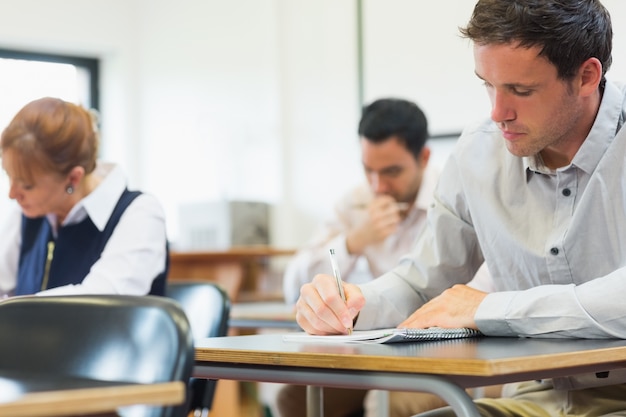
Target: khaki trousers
[540,399]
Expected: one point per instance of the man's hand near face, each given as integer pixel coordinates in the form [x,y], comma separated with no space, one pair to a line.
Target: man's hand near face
[383,216]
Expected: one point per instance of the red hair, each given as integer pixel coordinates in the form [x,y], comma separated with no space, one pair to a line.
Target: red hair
[52,135]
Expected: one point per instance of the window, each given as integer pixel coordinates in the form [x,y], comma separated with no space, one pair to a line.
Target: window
[25,76]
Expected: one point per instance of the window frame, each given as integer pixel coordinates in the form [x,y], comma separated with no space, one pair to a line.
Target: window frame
[92,65]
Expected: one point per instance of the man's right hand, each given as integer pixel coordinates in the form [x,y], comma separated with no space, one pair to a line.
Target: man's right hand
[321,310]
[383,217]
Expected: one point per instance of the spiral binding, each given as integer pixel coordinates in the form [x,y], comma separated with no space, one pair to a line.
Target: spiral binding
[438,333]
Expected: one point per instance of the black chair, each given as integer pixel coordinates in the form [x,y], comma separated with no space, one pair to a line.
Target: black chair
[108,337]
[208,308]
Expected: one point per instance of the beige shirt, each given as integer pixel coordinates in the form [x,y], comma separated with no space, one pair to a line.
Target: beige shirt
[376,259]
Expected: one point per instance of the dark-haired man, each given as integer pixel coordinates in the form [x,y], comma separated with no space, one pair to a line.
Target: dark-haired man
[537,192]
[373,226]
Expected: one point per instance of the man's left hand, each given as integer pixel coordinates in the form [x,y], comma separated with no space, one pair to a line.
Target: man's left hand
[455,307]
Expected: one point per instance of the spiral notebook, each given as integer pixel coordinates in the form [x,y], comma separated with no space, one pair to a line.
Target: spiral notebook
[391,335]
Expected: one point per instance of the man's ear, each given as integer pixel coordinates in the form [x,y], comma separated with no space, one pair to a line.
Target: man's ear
[424,156]
[590,76]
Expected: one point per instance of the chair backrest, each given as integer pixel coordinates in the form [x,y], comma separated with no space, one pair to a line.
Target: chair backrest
[208,308]
[110,337]
[206,304]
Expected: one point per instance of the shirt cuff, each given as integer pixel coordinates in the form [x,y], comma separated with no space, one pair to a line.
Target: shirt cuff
[367,315]
[491,314]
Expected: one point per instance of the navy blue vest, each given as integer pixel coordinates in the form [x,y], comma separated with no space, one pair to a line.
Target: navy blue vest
[76,248]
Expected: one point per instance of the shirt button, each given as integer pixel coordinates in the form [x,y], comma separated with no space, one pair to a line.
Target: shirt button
[554,251]
[566,192]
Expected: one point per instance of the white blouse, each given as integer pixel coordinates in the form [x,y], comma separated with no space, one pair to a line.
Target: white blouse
[134,255]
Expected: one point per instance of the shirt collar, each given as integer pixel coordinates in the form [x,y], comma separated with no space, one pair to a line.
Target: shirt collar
[608,121]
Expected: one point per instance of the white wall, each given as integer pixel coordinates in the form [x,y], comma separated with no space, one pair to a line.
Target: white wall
[415,51]
[258,99]
[208,94]
[245,99]
[320,109]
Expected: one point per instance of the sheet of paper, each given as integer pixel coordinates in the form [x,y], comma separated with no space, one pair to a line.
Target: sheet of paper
[391,335]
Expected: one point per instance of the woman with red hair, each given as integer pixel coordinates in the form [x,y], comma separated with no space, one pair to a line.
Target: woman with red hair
[78,228]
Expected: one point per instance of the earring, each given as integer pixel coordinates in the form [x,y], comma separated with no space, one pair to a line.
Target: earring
[69,189]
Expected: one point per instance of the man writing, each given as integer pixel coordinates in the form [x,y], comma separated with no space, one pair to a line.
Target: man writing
[374,225]
[536,192]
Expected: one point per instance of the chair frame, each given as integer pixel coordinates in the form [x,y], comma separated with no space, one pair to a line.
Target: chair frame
[141,339]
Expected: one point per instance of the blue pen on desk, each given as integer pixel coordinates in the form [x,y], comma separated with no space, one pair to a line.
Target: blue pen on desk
[337,274]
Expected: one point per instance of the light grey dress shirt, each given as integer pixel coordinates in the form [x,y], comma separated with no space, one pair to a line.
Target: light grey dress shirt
[554,241]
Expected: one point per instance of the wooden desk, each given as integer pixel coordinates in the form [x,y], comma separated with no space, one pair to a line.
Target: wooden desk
[30,395]
[239,270]
[443,368]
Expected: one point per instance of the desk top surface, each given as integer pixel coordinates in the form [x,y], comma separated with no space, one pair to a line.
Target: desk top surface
[232,253]
[482,357]
[29,394]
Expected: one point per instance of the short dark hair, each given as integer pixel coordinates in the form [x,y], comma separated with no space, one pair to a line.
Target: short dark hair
[392,117]
[568,31]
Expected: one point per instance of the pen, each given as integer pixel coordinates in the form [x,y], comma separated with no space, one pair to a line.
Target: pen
[337,274]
